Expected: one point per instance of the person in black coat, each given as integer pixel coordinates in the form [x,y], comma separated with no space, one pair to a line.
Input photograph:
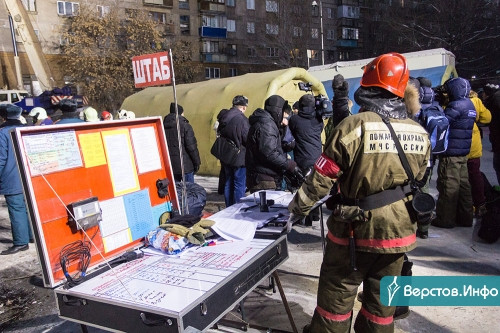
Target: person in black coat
[306,128]
[265,160]
[233,125]
[191,156]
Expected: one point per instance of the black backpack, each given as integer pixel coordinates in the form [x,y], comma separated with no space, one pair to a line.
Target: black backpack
[489,231]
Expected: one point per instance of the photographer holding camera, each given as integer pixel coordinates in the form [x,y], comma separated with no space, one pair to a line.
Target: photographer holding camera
[306,128]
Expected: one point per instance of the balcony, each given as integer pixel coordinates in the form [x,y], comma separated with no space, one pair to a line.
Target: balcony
[159,3]
[347,43]
[213,57]
[213,32]
[212,6]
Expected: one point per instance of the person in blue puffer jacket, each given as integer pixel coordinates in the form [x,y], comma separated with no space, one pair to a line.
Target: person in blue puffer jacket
[454,205]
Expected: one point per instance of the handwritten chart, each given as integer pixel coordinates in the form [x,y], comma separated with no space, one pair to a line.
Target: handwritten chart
[172,282]
[50,152]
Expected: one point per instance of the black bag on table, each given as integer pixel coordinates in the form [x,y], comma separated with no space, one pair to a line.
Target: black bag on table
[225,150]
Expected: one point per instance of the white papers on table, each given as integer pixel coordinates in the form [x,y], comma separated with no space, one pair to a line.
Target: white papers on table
[240,221]
[279,197]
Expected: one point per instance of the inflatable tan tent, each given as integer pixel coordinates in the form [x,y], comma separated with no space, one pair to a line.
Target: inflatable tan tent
[202,101]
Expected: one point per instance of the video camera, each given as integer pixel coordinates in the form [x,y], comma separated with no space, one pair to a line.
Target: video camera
[440,95]
[323,106]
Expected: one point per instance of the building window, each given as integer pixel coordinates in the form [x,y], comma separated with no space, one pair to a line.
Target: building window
[330,34]
[272,52]
[344,55]
[210,47]
[271,6]
[330,55]
[314,33]
[213,21]
[102,10]
[230,3]
[37,33]
[160,18]
[349,33]
[184,24]
[251,52]
[271,29]
[251,27]
[315,11]
[250,4]
[233,72]
[231,49]
[212,73]
[183,4]
[329,13]
[297,32]
[313,54]
[30,5]
[66,8]
[231,25]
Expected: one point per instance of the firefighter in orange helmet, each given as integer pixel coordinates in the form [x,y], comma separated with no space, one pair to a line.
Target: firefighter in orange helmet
[370,228]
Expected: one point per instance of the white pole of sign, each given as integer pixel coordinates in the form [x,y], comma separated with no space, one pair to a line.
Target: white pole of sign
[184,204]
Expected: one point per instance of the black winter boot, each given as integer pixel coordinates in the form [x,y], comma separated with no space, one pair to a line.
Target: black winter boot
[404,311]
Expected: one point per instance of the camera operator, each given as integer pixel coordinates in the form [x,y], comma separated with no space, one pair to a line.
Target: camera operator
[306,128]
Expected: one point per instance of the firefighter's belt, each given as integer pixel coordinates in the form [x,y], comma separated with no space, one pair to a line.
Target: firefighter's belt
[379,199]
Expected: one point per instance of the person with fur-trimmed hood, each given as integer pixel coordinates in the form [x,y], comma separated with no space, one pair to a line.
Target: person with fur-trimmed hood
[371,227]
[265,160]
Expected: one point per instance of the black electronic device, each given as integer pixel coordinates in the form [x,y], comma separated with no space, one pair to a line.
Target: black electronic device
[322,104]
[162,187]
[84,214]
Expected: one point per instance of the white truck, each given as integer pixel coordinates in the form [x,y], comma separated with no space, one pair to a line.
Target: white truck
[12,96]
[438,65]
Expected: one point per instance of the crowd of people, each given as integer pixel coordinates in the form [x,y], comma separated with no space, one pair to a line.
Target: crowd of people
[371,164]
[365,175]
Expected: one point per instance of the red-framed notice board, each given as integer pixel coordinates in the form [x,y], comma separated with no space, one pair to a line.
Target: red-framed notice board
[102,174]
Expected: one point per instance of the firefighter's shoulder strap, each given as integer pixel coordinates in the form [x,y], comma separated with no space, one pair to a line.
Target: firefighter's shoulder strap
[388,196]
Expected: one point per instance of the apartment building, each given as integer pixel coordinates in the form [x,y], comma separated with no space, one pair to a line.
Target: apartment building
[228,37]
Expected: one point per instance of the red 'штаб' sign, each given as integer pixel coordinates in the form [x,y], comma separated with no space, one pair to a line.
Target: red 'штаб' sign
[152,69]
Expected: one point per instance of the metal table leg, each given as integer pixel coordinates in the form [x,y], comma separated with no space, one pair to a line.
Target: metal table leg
[285,302]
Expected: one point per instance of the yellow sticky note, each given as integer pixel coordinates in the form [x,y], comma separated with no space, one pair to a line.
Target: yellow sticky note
[92,149]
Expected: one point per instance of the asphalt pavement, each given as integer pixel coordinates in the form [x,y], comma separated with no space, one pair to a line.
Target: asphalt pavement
[446,252]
